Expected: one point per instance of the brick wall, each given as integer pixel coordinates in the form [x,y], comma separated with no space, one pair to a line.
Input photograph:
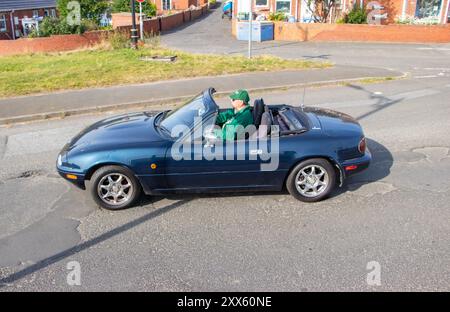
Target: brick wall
[74,42]
[50,44]
[172,21]
[352,32]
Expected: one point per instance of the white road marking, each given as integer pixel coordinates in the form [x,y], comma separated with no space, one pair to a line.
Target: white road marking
[382,101]
[436,68]
[436,49]
[423,77]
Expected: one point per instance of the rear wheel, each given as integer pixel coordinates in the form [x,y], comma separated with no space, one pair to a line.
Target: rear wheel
[311,180]
[115,187]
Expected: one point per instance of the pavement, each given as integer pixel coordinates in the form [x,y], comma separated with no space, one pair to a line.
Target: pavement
[61,104]
[396,213]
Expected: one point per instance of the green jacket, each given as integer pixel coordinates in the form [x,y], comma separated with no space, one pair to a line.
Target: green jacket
[228,120]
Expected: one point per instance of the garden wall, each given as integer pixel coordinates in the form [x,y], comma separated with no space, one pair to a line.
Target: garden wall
[371,33]
[284,31]
[50,44]
[88,39]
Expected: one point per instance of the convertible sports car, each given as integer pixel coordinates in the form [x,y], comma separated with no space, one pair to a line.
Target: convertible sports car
[124,155]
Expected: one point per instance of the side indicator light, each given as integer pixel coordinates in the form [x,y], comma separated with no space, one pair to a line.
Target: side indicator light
[153,166]
[71,176]
[352,167]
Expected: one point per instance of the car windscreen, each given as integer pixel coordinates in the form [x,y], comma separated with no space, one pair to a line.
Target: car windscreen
[185,114]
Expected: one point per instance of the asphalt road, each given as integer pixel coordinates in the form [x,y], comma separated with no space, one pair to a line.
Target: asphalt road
[397,213]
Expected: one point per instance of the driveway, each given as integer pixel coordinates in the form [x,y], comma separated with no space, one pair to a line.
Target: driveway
[212,34]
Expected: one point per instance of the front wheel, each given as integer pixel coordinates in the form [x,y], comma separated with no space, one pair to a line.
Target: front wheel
[114,187]
[311,180]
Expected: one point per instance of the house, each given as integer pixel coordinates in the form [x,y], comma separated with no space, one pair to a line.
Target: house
[395,9]
[17,17]
[163,6]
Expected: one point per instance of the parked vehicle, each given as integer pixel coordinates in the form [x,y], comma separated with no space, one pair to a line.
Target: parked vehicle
[227,9]
[125,155]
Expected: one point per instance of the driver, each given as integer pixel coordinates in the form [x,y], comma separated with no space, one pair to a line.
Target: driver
[240,115]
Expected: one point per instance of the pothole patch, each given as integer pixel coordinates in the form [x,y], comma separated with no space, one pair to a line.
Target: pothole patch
[370,189]
[434,154]
[29,174]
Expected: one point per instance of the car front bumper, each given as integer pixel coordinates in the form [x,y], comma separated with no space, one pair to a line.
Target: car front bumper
[74,178]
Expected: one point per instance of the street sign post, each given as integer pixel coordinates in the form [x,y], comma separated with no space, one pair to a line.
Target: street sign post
[134,36]
[141,22]
[250,17]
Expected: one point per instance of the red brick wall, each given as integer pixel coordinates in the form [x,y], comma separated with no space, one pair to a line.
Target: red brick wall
[353,32]
[172,21]
[50,44]
[74,42]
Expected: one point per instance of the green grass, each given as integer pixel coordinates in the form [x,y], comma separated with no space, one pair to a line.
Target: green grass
[36,73]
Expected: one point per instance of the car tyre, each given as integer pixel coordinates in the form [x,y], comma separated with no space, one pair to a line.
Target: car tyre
[114,187]
[311,180]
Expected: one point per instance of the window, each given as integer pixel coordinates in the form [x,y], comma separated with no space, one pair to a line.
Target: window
[283,6]
[53,13]
[262,3]
[35,13]
[46,12]
[2,23]
[166,5]
[428,8]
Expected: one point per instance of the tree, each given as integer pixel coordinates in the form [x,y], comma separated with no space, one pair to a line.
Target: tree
[90,9]
[148,8]
[320,9]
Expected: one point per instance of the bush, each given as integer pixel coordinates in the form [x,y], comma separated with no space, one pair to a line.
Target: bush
[55,26]
[89,9]
[357,15]
[119,40]
[411,20]
[148,8]
[89,25]
[278,16]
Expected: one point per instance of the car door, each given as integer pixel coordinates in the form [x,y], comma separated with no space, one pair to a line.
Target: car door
[225,165]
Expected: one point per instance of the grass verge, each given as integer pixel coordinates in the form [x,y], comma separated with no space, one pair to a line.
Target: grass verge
[37,73]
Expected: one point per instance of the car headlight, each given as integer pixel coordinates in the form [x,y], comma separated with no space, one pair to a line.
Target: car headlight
[59,160]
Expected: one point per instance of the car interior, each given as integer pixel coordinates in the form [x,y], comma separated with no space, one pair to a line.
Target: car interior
[288,120]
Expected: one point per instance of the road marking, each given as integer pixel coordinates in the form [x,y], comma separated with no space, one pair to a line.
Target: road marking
[382,100]
[378,93]
[436,68]
[423,77]
[436,49]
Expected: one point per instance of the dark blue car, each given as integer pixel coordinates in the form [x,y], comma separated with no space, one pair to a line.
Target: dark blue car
[308,150]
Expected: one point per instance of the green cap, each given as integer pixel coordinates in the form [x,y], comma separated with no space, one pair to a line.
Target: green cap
[240,95]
